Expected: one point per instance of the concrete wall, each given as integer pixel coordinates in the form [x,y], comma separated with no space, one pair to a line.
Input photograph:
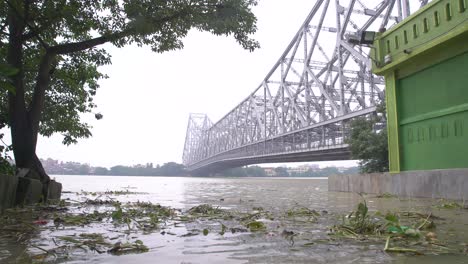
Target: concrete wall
[29,191]
[19,190]
[450,184]
[55,191]
[8,185]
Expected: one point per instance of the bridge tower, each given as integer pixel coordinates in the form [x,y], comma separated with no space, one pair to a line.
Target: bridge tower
[301,109]
[425,63]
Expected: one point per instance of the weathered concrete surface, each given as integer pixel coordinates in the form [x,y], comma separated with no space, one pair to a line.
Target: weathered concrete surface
[29,191]
[8,184]
[55,190]
[22,190]
[449,184]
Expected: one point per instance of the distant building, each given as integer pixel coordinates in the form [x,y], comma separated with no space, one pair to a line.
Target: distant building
[270,171]
[342,169]
[303,168]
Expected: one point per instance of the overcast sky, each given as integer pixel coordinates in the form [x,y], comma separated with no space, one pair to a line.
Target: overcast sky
[148,97]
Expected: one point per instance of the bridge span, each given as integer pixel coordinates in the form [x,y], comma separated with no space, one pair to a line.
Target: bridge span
[302,108]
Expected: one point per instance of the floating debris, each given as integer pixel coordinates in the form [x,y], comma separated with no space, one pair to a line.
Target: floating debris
[412,237]
[128,248]
[256,226]
[405,232]
[386,195]
[299,211]
[444,204]
[206,209]
[289,235]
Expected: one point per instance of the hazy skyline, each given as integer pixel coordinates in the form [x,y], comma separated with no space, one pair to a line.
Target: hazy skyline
[148,97]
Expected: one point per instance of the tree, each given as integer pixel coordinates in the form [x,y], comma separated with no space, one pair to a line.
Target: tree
[255,171]
[172,169]
[121,170]
[281,172]
[328,171]
[52,45]
[368,141]
[101,171]
[233,172]
[5,85]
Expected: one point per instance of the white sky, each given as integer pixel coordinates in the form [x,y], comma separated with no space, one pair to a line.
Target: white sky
[148,97]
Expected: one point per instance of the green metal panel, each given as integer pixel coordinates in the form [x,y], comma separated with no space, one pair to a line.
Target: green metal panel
[425,62]
[433,116]
[392,126]
[436,23]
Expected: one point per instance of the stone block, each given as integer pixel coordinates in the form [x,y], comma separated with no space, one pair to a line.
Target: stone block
[22,172]
[33,175]
[29,191]
[54,191]
[8,185]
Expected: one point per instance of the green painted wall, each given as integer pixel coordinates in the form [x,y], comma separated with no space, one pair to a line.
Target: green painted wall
[425,63]
[433,116]
[392,123]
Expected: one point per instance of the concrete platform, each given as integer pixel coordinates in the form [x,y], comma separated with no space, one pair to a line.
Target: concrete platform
[449,184]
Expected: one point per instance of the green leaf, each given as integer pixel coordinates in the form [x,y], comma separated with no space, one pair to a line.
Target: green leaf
[223,230]
[392,218]
[362,209]
[394,229]
[75,74]
[256,226]
[7,86]
[7,70]
[117,215]
[69,239]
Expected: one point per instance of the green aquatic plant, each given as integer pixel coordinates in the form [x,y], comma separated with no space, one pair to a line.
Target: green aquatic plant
[120,248]
[223,230]
[125,192]
[206,209]
[444,204]
[394,227]
[360,222]
[256,226]
[387,248]
[300,211]
[386,195]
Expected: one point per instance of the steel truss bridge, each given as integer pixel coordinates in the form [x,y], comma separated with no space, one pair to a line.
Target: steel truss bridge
[302,108]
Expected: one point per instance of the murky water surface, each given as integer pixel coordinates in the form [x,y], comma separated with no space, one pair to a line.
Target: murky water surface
[311,242]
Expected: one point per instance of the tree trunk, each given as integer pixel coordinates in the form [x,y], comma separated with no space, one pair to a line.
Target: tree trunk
[45,179]
[23,133]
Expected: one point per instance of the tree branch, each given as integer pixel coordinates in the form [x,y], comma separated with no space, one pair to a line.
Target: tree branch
[86,44]
[90,43]
[45,45]
[43,76]
[42,82]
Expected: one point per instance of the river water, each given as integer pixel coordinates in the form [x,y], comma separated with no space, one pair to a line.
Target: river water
[276,195]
